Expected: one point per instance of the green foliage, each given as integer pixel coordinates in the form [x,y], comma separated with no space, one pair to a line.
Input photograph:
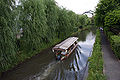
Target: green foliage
[112,18]
[103,8]
[115,43]
[32,26]
[52,12]
[107,32]
[7,35]
[63,24]
[108,15]
[95,71]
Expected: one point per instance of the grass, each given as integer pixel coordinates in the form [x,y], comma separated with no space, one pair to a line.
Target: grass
[95,71]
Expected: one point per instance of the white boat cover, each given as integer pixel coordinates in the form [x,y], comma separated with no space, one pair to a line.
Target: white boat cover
[66,43]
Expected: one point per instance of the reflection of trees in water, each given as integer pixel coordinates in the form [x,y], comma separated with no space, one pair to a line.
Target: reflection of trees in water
[82,35]
[93,29]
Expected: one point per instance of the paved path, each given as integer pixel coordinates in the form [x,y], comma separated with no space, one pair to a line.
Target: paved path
[111,63]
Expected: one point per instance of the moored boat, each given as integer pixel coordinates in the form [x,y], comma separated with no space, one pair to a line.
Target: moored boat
[65,48]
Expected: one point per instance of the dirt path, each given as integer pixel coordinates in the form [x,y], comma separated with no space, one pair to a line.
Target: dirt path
[111,63]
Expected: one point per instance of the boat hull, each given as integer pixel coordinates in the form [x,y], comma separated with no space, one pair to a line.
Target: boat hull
[66,56]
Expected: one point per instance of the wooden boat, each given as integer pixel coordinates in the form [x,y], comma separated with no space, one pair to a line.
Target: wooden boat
[65,48]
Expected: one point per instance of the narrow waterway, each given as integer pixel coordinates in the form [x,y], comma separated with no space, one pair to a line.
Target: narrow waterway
[45,67]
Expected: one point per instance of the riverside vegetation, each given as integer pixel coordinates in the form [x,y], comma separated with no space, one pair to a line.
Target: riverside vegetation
[29,26]
[95,71]
[108,16]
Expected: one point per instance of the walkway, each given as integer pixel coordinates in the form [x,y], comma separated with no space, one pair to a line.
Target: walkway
[111,63]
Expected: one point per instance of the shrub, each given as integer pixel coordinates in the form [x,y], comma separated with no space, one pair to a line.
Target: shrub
[107,32]
[115,44]
[114,41]
[112,18]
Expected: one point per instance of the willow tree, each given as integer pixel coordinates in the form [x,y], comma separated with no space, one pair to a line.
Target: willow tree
[63,24]
[34,24]
[52,12]
[71,21]
[41,21]
[7,35]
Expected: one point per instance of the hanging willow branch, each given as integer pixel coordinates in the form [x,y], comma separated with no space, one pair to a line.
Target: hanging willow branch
[27,27]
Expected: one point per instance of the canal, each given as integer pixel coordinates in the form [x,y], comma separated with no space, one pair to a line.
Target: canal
[45,67]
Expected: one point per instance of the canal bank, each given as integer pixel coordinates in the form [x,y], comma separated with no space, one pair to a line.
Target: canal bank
[111,63]
[44,66]
[95,71]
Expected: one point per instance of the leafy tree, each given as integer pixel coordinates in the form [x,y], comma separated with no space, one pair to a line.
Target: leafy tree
[7,35]
[103,7]
[112,18]
[27,27]
[63,23]
[34,26]
[108,15]
[51,10]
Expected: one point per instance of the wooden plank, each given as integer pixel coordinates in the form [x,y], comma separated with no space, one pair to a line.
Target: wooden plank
[66,43]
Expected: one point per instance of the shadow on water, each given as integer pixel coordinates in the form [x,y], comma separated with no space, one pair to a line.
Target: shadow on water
[45,67]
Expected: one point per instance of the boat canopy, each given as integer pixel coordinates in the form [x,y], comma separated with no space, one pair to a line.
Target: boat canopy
[66,43]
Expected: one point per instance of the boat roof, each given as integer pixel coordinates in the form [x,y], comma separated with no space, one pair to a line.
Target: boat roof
[66,43]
